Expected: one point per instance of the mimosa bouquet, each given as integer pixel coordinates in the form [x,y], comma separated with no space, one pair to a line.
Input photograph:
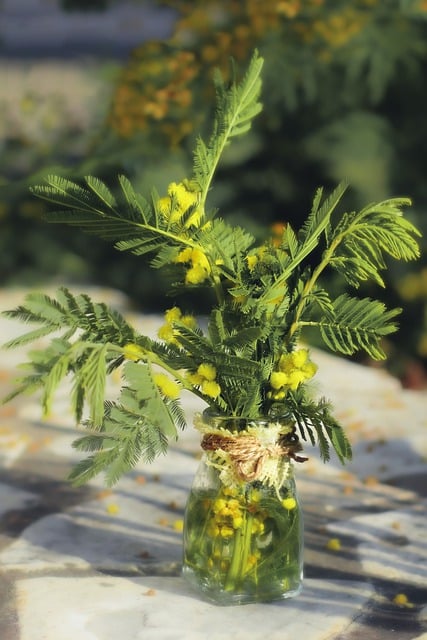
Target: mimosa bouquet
[244,360]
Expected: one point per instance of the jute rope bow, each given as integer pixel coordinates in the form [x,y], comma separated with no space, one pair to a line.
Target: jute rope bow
[247,453]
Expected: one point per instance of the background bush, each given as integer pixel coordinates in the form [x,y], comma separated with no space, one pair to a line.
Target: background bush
[344,98]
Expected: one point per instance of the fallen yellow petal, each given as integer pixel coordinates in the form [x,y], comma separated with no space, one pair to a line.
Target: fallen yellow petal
[112,509]
[334,544]
[401,599]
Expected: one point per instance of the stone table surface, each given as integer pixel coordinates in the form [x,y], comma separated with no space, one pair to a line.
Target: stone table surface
[98,564]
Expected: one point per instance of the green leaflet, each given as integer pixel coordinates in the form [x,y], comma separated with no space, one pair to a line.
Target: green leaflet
[361,240]
[317,424]
[138,426]
[357,324]
[236,106]
[140,380]
[87,358]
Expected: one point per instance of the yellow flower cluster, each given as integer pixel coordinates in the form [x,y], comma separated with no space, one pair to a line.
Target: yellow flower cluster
[293,369]
[340,27]
[205,378]
[228,514]
[154,94]
[168,387]
[167,332]
[199,268]
[179,200]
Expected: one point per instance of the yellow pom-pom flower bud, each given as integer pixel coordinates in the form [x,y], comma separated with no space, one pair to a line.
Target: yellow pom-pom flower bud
[173,315]
[252,261]
[289,503]
[299,358]
[293,369]
[183,197]
[164,206]
[279,379]
[207,371]
[166,333]
[132,351]
[296,377]
[194,378]
[167,387]
[198,258]
[196,275]
[402,600]
[211,388]
[189,321]
[184,256]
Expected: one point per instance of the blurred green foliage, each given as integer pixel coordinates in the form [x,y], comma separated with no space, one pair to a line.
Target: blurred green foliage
[344,98]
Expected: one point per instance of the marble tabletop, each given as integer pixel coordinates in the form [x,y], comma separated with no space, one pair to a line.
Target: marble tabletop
[101,564]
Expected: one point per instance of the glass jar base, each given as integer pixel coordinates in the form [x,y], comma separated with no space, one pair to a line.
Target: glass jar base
[223,597]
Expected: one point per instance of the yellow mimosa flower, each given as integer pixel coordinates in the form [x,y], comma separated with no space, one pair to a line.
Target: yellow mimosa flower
[167,386]
[207,371]
[184,256]
[166,333]
[296,377]
[196,275]
[289,503]
[211,388]
[173,314]
[278,379]
[299,358]
[132,351]
[189,321]
[164,206]
[252,261]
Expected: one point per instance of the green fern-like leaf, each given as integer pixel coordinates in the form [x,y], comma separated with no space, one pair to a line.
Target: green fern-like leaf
[361,240]
[357,324]
[59,190]
[93,376]
[319,217]
[317,424]
[102,191]
[138,426]
[96,211]
[236,107]
[139,208]
[225,244]
[306,241]
[87,351]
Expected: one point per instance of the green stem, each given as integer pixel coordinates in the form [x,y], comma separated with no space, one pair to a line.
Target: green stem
[309,285]
[239,560]
[219,293]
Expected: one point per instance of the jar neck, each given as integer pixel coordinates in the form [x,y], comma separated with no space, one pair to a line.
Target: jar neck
[235,424]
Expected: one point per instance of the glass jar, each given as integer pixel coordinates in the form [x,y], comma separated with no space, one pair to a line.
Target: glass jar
[243,527]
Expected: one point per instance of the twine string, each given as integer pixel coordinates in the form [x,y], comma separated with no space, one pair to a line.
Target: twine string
[247,453]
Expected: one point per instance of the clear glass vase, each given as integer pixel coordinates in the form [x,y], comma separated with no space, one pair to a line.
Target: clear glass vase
[243,527]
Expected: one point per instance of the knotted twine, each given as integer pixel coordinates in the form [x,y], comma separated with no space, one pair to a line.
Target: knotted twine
[254,454]
[247,454]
